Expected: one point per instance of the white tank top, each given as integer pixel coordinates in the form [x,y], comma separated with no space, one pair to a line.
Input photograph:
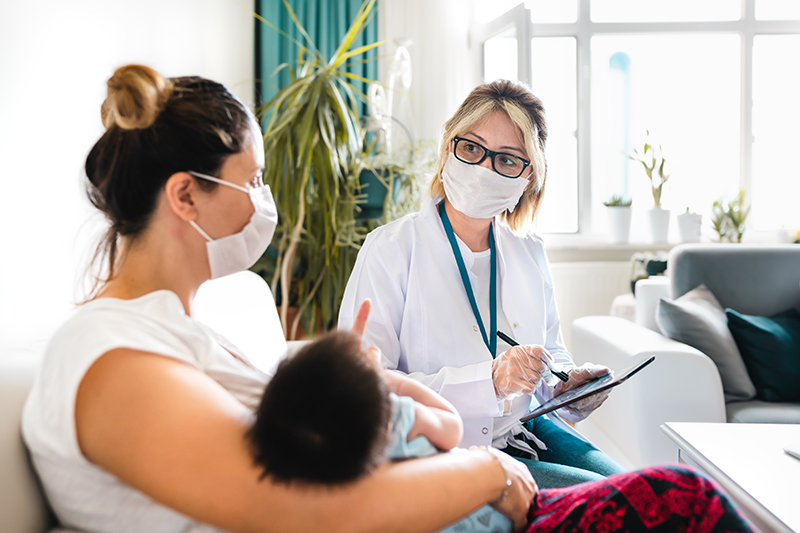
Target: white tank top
[84,496]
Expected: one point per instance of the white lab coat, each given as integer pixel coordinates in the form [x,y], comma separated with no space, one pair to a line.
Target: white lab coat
[423,323]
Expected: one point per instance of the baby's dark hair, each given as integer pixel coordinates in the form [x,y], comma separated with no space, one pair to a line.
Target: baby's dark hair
[324,415]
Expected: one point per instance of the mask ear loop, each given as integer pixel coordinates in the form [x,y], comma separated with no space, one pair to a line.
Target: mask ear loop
[217,180]
[200,231]
[221,182]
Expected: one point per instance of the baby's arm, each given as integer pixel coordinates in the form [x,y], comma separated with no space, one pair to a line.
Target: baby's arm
[434,417]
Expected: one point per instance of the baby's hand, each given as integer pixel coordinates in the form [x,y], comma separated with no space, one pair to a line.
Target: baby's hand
[442,428]
[434,417]
[373,353]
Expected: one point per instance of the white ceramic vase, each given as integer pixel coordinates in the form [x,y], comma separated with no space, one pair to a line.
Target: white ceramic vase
[659,224]
[689,226]
[619,224]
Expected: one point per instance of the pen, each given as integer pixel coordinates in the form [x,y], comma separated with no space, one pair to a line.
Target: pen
[560,374]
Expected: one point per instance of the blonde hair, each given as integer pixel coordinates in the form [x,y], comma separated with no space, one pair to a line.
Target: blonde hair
[527,113]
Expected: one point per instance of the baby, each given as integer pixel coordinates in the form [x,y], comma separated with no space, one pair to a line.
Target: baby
[331,415]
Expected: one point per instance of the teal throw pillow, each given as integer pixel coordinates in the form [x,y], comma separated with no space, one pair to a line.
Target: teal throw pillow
[770,347]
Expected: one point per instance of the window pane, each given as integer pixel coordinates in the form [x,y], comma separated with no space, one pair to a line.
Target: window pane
[684,89]
[541,10]
[664,10]
[776,113]
[553,10]
[487,10]
[554,82]
[777,9]
[500,57]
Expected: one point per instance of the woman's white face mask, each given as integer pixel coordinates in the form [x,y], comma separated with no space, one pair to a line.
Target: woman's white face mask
[480,192]
[239,251]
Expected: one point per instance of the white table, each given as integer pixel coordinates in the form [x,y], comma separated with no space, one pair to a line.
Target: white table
[748,461]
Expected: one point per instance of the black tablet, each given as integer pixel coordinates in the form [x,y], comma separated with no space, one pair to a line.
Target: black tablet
[587,389]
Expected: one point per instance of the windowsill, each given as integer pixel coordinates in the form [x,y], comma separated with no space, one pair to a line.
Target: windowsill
[562,248]
[577,248]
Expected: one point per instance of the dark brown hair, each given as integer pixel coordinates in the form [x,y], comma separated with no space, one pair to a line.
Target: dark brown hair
[324,415]
[155,127]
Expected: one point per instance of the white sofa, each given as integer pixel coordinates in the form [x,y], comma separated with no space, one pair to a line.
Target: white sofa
[683,384]
[240,307]
[23,509]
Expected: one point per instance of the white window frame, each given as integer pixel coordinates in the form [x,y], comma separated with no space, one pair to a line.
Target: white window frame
[747,27]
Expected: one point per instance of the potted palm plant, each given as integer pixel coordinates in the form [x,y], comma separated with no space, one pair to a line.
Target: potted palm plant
[314,147]
[654,163]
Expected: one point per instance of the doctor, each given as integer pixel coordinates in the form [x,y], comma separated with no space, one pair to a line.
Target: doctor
[443,282]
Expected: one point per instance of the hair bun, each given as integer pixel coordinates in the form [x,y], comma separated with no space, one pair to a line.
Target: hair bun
[136,95]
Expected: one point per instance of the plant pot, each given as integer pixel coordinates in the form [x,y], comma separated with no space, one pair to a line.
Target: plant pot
[689,225]
[659,224]
[619,224]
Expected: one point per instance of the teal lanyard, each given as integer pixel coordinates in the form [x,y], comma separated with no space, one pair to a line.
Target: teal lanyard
[491,340]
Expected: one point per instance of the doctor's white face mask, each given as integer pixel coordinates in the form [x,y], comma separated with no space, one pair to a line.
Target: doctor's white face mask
[240,251]
[480,192]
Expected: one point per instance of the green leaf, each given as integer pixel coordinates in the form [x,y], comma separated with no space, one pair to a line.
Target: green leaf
[357,51]
[300,29]
[355,29]
[314,153]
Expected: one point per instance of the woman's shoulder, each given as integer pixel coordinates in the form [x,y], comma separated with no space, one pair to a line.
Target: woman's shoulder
[122,317]
[397,229]
[48,419]
[154,323]
[523,239]
[524,248]
[151,324]
[401,235]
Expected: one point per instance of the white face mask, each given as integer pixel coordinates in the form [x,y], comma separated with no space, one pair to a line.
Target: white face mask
[240,251]
[480,192]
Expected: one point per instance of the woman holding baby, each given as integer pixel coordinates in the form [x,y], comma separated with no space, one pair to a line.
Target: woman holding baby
[138,419]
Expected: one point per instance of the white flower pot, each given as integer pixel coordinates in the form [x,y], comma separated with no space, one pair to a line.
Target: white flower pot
[659,224]
[689,225]
[619,224]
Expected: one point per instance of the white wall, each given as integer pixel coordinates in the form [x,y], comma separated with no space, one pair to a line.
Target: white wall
[441,63]
[55,58]
[587,288]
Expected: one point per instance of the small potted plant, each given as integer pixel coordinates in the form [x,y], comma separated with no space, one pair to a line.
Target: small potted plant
[728,218]
[654,164]
[619,219]
[689,225]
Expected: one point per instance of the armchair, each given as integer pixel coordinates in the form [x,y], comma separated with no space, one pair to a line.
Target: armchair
[683,384]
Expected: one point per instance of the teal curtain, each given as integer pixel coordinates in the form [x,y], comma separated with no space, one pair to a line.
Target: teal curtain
[326,22]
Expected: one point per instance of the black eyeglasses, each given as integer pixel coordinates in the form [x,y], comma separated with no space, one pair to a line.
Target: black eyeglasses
[472,153]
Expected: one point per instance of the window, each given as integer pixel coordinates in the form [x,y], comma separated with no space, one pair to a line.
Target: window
[776,115]
[715,83]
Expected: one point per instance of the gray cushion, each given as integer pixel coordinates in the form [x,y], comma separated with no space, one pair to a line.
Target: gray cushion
[759,412]
[698,319]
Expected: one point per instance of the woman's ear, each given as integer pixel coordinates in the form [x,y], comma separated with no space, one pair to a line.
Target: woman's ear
[179,190]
